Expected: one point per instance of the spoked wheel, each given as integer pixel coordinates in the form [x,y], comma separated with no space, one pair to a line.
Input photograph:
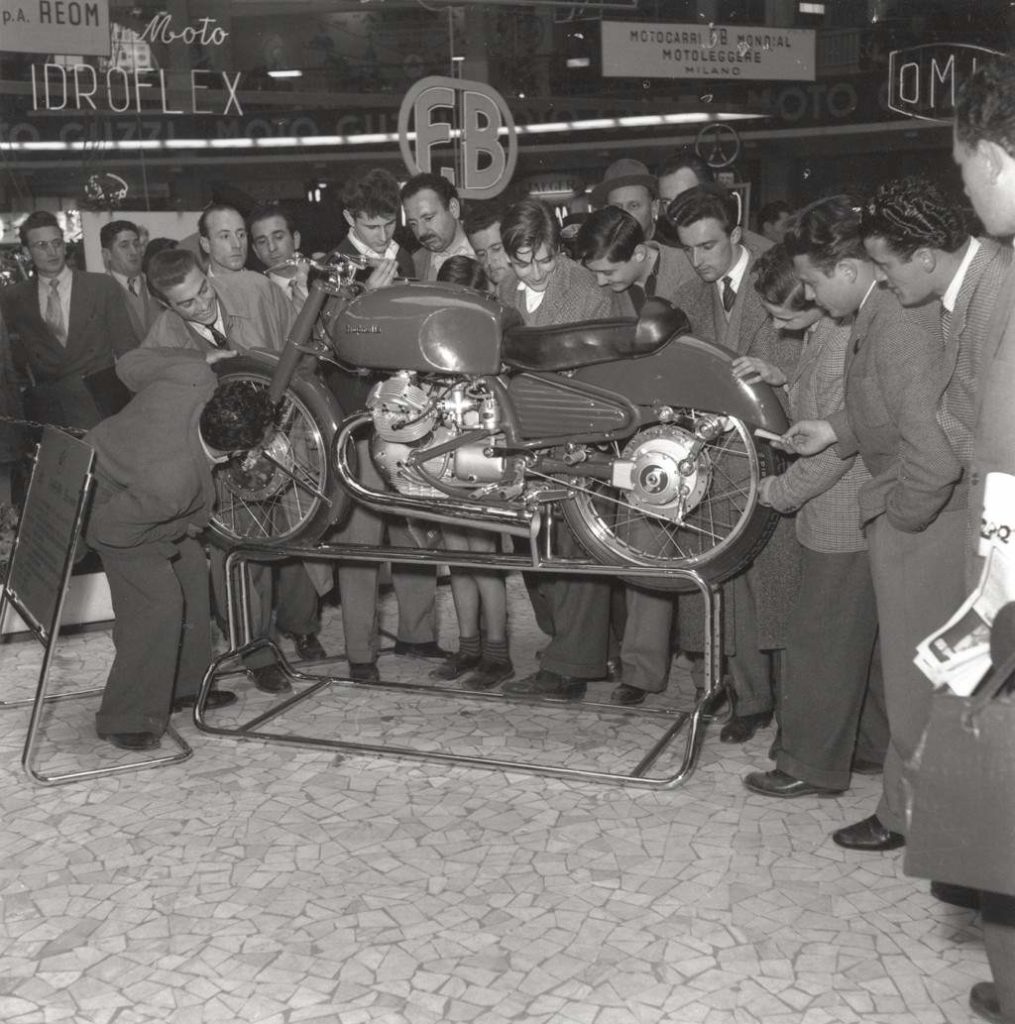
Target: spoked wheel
[684,496]
[285,492]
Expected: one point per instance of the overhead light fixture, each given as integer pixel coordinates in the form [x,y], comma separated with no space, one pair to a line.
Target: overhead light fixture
[579,62]
[807,8]
[371,138]
[286,73]
[457,59]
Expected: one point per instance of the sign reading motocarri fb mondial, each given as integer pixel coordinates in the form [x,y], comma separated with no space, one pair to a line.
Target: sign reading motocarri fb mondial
[639,49]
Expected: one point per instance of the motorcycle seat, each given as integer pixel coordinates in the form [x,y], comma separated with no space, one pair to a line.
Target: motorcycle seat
[567,346]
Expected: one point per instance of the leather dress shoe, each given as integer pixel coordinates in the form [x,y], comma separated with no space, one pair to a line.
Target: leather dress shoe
[308,647]
[984,1003]
[427,649]
[956,895]
[364,672]
[741,728]
[547,684]
[782,784]
[627,696]
[216,699]
[868,834]
[132,740]
[269,679]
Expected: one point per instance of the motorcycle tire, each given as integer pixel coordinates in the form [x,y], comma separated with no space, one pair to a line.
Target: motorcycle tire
[290,494]
[718,537]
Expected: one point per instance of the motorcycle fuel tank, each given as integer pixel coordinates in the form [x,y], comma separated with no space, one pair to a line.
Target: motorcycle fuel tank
[429,328]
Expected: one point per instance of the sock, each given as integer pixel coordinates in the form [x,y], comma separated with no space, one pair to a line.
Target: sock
[496,650]
[468,646]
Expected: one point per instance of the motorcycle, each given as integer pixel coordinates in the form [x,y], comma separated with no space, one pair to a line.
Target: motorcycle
[633,432]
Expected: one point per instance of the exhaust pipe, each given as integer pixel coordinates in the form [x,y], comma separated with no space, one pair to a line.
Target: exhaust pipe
[454,513]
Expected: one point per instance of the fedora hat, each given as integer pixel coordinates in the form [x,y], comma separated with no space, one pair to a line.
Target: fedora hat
[620,173]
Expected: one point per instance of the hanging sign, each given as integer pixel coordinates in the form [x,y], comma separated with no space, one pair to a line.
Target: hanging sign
[923,81]
[483,167]
[55,26]
[640,49]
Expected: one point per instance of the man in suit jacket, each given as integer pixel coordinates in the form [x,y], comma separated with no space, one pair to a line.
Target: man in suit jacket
[723,307]
[984,151]
[68,327]
[433,211]
[922,251]
[272,232]
[912,514]
[121,252]
[235,311]
[154,494]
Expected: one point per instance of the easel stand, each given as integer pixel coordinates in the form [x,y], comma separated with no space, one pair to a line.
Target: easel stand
[238,589]
[42,560]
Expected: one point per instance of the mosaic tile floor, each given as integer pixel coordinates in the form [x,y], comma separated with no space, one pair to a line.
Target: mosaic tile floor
[279,885]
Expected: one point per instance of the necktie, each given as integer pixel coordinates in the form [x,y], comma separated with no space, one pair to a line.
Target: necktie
[132,287]
[218,339]
[54,311]
[637,296]
[729,296]
[946,323]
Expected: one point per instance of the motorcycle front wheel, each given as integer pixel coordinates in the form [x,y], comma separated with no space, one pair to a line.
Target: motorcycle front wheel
[689,504]
[286,493]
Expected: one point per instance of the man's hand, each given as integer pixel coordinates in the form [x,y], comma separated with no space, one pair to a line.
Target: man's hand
[751,370]
[382,276]
[764,490]
[216,355]
[808,437]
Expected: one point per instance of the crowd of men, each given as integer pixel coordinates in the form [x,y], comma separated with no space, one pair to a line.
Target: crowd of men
[880,321]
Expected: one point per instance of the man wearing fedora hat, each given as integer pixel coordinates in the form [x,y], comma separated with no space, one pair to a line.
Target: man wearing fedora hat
[628,186]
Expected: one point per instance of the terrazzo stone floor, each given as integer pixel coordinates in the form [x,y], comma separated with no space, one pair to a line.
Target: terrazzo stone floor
[276,884]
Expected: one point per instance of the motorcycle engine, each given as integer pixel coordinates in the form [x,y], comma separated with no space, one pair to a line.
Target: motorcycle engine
[412,415]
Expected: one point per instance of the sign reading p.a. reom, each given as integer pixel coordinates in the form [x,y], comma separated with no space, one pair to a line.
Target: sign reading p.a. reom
[55,26]
[639,49]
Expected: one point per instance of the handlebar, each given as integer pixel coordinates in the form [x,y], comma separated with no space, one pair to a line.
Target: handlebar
[339,268]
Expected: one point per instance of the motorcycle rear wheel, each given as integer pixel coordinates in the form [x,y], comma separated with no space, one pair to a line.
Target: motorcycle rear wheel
[289,493]
[718,537]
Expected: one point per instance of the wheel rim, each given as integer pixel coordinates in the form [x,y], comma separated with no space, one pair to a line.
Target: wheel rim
[272,496]
[638,536]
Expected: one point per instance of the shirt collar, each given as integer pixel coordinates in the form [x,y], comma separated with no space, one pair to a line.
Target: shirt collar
[737,271]
[63,277]
[952,292]
[390,253]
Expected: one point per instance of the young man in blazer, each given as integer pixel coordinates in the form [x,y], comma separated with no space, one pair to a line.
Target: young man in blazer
[913,517]
[922,251]
[68,326]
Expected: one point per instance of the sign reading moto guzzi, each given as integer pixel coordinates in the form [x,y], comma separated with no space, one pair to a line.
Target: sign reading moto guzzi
[638,49]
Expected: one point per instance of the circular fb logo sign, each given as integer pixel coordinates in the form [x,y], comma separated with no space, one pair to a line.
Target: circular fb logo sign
[484,165]
[718,145]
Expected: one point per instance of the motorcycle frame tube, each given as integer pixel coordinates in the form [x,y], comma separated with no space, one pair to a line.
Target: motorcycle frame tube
[299,335]
[508,520]
[236,568]
[689,373]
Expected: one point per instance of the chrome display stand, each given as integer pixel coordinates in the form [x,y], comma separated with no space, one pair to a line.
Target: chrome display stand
[238,588]
[42,560]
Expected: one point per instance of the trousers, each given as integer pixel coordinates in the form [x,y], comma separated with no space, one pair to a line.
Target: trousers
[162,635]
